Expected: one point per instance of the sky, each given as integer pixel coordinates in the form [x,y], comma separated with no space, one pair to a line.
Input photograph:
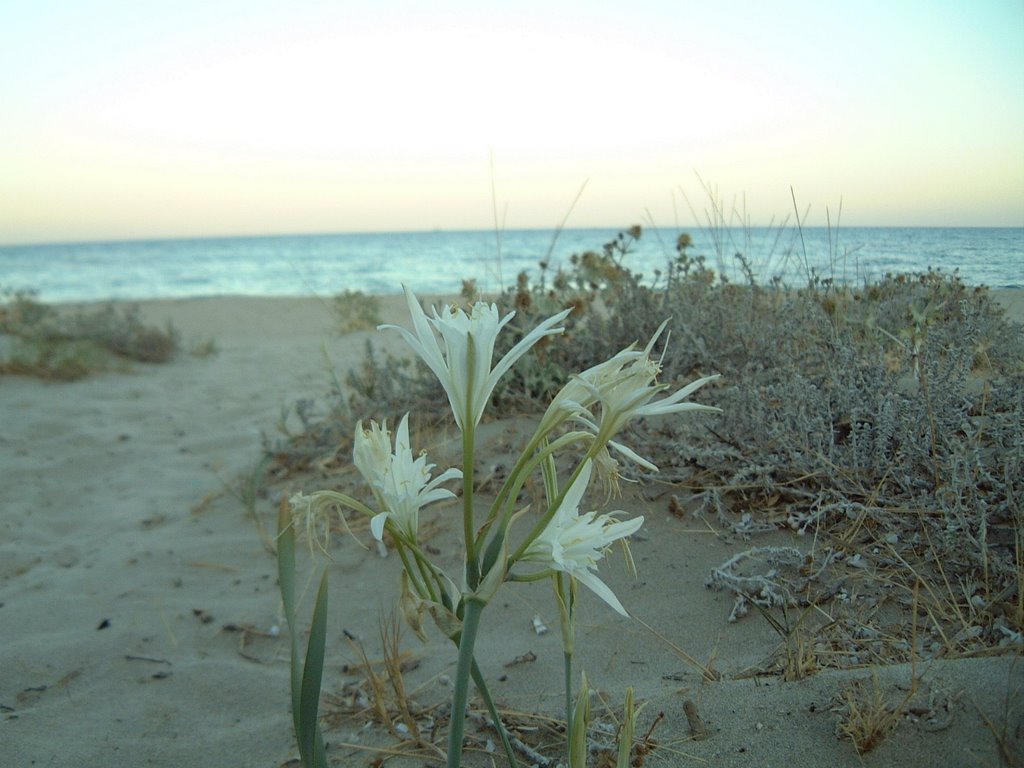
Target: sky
[126,119]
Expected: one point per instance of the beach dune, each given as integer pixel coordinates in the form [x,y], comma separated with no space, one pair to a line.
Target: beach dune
[139,612]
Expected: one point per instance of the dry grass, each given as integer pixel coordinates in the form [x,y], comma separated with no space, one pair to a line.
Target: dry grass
[415,718]
[866,715]
[356,311]
[383,697]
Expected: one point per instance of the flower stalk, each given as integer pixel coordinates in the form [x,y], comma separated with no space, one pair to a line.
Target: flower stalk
[565,544]
[565,596]
[460,696]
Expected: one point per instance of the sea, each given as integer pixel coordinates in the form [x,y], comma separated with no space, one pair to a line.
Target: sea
[439,261]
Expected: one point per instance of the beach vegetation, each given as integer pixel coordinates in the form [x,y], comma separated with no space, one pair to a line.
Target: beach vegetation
[881,420]
[203,348]
[66,344]
[306,669]
[356,311]
[876,422]
[562,545]
[866,715]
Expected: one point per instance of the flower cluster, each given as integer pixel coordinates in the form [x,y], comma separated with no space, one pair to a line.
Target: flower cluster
[458,347]
[564,544]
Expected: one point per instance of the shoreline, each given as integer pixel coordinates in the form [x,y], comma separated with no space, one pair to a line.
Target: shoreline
[438,262]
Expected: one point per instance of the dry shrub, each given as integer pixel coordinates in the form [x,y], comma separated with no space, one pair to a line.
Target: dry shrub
[71,345]
[865,716]
[885,420]
[356,311]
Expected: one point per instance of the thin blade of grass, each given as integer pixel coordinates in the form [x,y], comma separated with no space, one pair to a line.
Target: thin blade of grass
[628,729]
[311,741]
[580,723]
[286,580]
[305,682]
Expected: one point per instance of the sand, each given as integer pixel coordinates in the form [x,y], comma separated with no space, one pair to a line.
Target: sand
[140,617]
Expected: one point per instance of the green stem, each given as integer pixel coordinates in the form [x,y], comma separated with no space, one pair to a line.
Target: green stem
[472,567]
[481,685]
[567,664]
[550,474]
[408,567]
[426,572]
[517,474]
[470,624]
[565,594]
[433,583]
[347,501]
[526,466]
[468,434]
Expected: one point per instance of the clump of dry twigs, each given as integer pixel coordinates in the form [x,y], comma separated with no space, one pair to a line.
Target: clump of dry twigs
[377,691]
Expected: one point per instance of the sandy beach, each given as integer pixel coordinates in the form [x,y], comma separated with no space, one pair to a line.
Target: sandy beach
[140,619]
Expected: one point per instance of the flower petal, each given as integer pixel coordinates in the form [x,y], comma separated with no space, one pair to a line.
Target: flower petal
[632,455]
[377,525]
[590,580]
[423,343]
[574,493]
[467,339]
[546,328]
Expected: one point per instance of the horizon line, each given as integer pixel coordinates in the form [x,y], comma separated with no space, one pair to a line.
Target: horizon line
[470,230]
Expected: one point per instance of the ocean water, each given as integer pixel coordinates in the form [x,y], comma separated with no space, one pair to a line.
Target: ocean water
[437,262]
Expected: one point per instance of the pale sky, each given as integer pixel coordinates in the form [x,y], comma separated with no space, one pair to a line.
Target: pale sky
[125,119]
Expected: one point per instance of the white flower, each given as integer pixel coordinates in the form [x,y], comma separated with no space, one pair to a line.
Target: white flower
[623,387]
[578,394]
[371,452]
[463,366]
[574,543]
[401,483]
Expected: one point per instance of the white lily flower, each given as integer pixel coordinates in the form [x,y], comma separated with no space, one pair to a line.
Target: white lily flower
[624,387]
[467,339]
[632,396]
[574,543]
[401,483]
[578,394]
[371,452]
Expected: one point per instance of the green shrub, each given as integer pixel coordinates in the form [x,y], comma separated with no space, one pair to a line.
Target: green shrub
[70,345]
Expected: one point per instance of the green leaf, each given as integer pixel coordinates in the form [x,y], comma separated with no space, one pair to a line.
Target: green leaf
[305,680]
[286,580]
[580,725]
[628,730]
[311,741]
[481,686]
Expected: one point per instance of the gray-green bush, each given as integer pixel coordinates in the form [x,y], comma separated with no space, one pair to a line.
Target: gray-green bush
[886,418]
[69,345]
